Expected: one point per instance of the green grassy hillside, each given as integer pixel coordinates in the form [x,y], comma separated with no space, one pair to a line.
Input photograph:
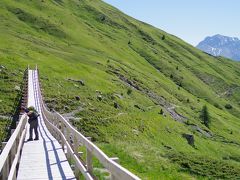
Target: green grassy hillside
[132,87]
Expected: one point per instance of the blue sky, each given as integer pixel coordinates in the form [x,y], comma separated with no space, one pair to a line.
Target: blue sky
[191,20]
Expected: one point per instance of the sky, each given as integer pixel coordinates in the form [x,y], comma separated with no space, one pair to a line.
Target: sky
[190,20]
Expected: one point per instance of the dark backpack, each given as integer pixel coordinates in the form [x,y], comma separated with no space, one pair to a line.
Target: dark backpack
[33,117]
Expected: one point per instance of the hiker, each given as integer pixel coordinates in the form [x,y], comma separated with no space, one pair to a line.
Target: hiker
[33,121]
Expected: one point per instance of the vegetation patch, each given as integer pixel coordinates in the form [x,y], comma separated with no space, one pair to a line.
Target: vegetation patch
[38,23]
[3,129]
[205,166]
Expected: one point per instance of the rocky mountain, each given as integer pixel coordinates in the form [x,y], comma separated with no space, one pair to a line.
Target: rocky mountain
[219,45]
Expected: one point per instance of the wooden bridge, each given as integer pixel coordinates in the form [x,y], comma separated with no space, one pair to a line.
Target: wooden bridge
[56,154]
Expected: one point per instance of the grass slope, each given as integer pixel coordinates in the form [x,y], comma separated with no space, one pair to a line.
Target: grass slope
[130,72]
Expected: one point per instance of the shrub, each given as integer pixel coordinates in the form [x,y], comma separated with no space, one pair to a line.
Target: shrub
[228,106]
[161,112]
[129,91]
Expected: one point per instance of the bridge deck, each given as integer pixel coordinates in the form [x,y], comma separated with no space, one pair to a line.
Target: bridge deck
[42,159]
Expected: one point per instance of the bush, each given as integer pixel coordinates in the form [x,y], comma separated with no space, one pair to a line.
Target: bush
[217,105]
[161,112]
[228,106]
[129,91]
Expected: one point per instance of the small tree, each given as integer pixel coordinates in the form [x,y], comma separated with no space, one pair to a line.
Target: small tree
[163,37]
[205,116]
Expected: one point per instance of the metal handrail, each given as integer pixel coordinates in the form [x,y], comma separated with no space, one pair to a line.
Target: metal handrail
[68,136]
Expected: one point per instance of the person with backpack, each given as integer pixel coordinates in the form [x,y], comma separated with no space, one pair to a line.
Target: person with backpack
[33,121]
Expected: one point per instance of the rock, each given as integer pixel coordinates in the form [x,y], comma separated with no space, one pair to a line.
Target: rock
[168,129]
[135,132]
[99,92]
[73,119]
[81,82]
[17,88]
[77,98]
[93,109]
[167,147]
[2,67]
[76,85]
[78,81]
[161,112]
[190,138]
[137,106]
[66,108]
[208,134]
[116,105]
[99,97]
[112,97]
[119,96]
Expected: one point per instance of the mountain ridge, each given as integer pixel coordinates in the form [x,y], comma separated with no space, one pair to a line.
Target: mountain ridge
[219,45]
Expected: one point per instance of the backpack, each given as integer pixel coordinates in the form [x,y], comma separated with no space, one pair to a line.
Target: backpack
[33,117]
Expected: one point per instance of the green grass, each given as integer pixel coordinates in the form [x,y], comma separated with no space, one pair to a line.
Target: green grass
[130,64]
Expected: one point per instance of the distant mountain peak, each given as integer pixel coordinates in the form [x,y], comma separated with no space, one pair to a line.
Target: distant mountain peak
[220,45]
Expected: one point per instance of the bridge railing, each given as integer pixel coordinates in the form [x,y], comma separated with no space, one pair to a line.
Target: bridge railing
[70,140]
[10,155]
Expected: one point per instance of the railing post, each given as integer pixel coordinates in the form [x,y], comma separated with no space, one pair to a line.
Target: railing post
[76,171]
[62,144]
[113,177]
[115,159]
[76,146]
[68,154]
[60,123]
[89,161]
[6,169]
